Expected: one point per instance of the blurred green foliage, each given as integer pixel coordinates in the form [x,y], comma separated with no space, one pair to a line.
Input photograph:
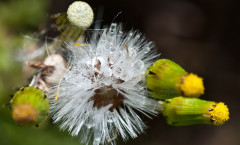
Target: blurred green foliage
[21,17]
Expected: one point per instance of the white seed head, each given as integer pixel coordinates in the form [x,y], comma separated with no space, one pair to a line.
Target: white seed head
[80,14]
[100,94]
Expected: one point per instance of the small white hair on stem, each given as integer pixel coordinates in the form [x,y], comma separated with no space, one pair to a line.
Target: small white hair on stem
[101,93]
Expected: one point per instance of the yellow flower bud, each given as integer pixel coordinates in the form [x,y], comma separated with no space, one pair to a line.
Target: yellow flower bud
[166,79]
[180,111]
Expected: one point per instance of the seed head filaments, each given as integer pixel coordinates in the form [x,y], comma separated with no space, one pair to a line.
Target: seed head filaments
[99,95]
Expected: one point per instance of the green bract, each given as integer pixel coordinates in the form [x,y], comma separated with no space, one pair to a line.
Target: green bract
[163,79]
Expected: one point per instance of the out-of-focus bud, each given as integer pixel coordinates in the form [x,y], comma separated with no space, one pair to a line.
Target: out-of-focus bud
[30,106]
[80,14]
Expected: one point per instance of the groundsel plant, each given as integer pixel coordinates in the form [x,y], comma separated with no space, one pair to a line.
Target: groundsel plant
[98,88]
[103,88]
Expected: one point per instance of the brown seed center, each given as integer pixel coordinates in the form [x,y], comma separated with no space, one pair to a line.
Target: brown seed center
[107,95]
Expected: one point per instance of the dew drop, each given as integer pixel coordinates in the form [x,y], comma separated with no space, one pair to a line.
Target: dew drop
[90,125]
[125,76]
[96,63]
[110,120]
[146,49]
[138,36]
[138,65]
[113,26]
[133,52]
[120,32]
[96,141]
[114,56]
[117,72]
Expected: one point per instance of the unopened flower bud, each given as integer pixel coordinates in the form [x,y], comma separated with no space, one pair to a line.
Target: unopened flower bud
[166,79]
[180,111]
[30,106]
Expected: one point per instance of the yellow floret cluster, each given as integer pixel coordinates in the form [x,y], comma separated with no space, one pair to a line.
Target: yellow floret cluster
[192,85]
[220,114]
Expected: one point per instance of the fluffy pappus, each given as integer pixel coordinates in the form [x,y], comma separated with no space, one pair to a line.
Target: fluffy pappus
[104,87]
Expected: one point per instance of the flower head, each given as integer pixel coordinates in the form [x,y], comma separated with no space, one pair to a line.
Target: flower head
[166,79]
[30,106]
[104,86]
[182,111]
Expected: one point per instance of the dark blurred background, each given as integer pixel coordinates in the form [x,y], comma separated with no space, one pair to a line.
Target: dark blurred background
[200,35]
